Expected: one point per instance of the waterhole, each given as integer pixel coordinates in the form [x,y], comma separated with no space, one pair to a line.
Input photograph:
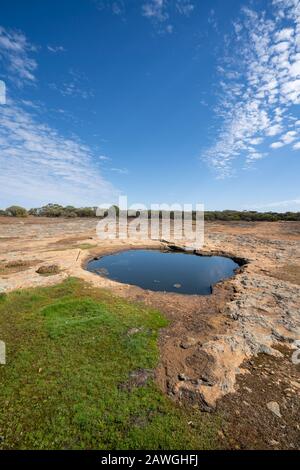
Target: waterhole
[165,271]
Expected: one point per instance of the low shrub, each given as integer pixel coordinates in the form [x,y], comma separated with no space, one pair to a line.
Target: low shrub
[48,269]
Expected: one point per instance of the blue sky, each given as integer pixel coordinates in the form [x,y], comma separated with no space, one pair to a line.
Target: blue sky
[162,100]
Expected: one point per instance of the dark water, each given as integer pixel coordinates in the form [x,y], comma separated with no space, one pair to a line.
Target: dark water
[165,271]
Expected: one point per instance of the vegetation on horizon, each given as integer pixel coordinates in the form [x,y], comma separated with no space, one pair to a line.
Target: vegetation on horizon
[56,210]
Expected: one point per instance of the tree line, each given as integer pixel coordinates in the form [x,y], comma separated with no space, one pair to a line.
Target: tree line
[50,210]
[56,210]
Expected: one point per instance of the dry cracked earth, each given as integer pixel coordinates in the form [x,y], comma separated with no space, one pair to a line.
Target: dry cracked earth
[233,352]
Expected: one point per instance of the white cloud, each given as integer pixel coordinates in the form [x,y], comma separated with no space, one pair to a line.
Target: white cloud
[295,69]
[185,7]
[296,146]
[104,158]
[254,156]
[40,165]
[281,47]
[277,145]
[291,91]
[155,9]
[2,92]
[259,85]
[117,7]
[256,141]
[121,171]
[289,137]
[56,49]
[284,34]
[274,130]
[77,85]
[160,12]
[14,53]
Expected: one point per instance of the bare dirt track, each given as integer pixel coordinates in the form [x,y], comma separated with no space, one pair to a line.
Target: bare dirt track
[230,351]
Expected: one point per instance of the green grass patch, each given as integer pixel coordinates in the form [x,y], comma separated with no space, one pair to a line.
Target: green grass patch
[69,350]
[85,246]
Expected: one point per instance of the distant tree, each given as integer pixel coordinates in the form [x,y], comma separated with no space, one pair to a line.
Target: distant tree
[52,210]
[16,211]
[250,216]
[56,210]
[69,211]
[86,212]
[34,211]
[70,214]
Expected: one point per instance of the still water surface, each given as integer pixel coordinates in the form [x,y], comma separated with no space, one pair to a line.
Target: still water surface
[165,271]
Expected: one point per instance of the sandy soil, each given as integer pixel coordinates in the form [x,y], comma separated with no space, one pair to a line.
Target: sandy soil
[229,351]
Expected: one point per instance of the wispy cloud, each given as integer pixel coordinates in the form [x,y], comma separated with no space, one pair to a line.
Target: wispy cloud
[259,87]
[185,7]
[104,158]
[76,86]
[212,20]
[15,56]
[121,171]
[160,12]
[56,49]
[117,7]
[2,92]
[291,204]
[155,9]
[40,164]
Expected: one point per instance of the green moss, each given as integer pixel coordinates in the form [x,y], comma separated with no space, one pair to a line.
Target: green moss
[69,348]
[85,246]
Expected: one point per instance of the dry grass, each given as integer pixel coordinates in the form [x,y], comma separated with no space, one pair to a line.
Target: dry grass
[16,266]
[288,272]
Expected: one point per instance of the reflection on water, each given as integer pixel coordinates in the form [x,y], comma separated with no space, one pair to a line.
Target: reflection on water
[165,271]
